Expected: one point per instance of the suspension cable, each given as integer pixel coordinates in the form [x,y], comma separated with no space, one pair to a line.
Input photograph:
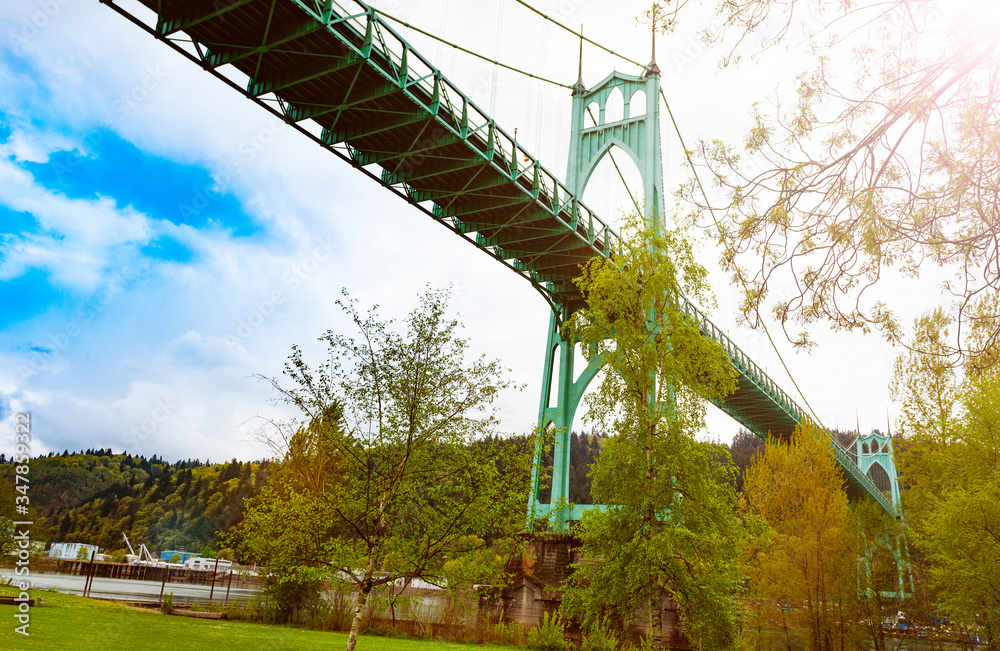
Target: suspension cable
[467,51]
[611,154]
[680,137]
[579,34]
[732,253]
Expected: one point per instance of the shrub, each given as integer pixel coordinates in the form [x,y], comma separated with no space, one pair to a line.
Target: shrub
[599,637]
[167,605]
[333,614]
[548,635]
[510,633]
[288,594]
[645,644]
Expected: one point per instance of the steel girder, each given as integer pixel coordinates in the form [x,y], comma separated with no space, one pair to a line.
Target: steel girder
[336,64]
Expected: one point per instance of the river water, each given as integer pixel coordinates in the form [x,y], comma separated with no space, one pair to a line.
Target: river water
[129,590]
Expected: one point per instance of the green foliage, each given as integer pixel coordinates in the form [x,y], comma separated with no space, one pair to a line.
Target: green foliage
[293,591]
[167,605]
[94,498]
[799,547]
[549,634]
[506,633]
[645,644]
[599,636]
[670,524]
[584,449]
[879,542]
[950,465]
[395,471]
[745,446]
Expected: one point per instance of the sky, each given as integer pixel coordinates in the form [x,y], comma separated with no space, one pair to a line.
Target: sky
[164,241]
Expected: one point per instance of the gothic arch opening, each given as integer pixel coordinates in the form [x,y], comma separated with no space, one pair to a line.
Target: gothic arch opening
[605,191]
[585,439]
[880,478]
[637,105]
[614,108]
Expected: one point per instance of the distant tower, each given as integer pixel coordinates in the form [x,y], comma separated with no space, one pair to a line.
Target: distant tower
[875,459]
[638,135]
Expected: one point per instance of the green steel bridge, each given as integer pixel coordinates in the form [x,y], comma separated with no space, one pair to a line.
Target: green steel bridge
[342,76]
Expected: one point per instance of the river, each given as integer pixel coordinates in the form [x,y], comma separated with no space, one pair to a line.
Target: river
[129,590]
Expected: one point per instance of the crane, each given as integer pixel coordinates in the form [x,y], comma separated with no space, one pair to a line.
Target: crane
[131,551]
[138,558]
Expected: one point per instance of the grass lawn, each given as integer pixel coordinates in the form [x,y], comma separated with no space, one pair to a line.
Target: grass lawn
[71,622]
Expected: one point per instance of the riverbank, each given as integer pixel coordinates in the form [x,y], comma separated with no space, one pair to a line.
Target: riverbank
[63,621]
[134,590]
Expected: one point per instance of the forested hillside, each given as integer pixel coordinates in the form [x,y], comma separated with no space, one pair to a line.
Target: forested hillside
[95,496]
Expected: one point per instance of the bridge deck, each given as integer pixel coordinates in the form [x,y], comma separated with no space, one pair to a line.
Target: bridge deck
[346,79]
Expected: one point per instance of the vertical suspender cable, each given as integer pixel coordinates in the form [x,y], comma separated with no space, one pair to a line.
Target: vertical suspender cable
[496,56]
[731,252]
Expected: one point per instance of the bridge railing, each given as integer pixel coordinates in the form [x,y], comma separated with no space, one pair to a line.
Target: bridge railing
[359,29]
[384,48]
[742,362]
[371,37]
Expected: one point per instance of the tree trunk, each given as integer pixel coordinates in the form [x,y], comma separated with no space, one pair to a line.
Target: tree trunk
[879,617]
[366,588]
[655,632]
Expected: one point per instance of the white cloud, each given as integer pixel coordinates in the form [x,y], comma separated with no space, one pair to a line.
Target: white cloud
[76,235]
[193,333]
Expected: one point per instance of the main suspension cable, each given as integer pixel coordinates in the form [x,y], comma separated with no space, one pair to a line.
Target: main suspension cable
[468,51]
[732,253]
[580,35]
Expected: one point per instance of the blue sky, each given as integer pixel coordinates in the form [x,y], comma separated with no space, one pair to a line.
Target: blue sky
[148,212]
[148,215]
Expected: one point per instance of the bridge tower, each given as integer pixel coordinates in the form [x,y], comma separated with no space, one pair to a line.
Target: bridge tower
[875,458]
[637,134]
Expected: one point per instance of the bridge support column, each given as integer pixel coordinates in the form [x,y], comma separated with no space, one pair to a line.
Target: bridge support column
[558,382]
[637,134]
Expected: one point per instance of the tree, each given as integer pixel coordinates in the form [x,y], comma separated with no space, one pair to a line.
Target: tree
[8,497]
[882,165]
[395,469]
[950,466]
[669,522]
[744,448]
[879,547]
[799,553]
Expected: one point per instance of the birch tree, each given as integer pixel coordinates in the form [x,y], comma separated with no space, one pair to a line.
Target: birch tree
[400,468]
